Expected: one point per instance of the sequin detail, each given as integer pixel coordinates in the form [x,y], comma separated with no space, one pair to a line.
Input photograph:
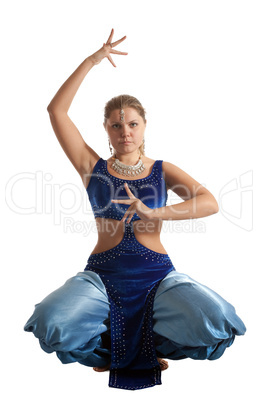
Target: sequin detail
[131,274]
[103,187]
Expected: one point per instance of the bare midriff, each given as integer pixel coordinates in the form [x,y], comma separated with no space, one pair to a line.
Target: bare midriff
[111,232]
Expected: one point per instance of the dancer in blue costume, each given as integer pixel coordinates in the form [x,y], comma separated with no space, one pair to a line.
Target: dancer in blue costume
[129,309]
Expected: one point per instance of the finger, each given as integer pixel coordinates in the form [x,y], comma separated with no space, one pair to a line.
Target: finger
[127,202]
[126,215]
[117,52]
[129,191]
[118,41]
[130,217]
[110,36]
[129,214]
[111,60]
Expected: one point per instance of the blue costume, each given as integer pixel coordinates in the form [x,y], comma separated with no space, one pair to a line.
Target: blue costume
[129,305]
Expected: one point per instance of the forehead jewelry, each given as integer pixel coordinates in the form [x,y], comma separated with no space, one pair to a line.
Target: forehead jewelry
[121,168]
[122,115]
[122,112]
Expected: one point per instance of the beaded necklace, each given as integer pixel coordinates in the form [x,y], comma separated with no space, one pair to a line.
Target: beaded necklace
[128,170]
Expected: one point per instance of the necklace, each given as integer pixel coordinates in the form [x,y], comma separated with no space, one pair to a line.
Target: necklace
[128,170]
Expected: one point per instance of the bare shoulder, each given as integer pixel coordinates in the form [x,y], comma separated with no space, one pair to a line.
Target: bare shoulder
[175,175]
[169,171]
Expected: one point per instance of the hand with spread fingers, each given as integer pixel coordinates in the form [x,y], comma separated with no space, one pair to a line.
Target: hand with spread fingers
[136,206]
[107,50]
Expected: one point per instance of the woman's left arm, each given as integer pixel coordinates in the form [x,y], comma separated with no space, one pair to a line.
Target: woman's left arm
[198,201]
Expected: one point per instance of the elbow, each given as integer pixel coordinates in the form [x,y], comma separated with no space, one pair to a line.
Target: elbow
[50,109]
[55,111]
[217,207]
[53,108]
[213,206]
[209,205]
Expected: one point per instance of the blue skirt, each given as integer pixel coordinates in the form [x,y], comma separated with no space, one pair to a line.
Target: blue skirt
[129,307]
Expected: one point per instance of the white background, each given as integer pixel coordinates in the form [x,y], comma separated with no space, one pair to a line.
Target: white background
[193,65]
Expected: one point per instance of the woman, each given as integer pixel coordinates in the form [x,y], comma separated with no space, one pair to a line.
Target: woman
[130,308]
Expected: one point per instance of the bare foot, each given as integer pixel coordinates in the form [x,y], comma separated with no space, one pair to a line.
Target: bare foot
[101,369]
[163,366]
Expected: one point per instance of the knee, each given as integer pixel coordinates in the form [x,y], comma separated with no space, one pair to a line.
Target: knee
[191,314]
[71,315]
[48,326]
[63,330]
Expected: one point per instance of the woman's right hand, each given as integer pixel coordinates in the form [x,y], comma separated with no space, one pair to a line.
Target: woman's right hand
[107,50]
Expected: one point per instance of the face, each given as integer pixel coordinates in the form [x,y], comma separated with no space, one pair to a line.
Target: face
[126,136]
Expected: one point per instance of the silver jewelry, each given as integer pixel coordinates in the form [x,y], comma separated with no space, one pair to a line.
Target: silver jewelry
[143,142]
[110,148]
[128,170]
[122,112]
[122,115]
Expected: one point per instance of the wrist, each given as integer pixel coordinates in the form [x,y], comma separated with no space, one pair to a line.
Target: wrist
[155,214]
[92,60]
[96,58]
[162,213]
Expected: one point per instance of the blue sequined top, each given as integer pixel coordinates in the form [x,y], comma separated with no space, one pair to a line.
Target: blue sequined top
[103,187]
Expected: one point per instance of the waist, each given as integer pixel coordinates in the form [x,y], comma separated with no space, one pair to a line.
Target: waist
[111,232]
[131,254]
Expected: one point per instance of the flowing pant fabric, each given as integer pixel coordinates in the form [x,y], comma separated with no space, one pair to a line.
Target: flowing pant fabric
[189,320]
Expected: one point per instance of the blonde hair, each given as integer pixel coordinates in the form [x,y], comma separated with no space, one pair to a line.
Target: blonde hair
[123,101]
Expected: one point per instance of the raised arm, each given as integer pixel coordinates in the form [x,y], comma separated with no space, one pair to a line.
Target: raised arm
[82,156]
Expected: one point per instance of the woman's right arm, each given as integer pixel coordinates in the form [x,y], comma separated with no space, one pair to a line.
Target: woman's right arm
[82,156]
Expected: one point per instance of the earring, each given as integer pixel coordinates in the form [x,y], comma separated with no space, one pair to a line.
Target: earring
[110,148]
[143,145]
